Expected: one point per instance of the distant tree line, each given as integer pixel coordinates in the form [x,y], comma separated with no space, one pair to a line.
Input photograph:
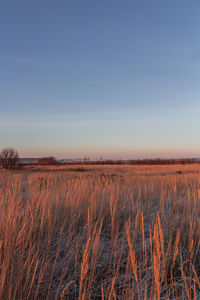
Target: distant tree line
[159,161]
[9,159]
[134,162]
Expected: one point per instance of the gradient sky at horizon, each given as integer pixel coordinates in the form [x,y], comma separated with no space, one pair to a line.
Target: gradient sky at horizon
[117,79]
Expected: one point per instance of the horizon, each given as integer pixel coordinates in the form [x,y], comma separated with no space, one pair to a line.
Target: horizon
[98,79]
[87,158]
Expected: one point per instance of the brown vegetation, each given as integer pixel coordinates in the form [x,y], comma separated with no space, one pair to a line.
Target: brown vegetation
[109,233]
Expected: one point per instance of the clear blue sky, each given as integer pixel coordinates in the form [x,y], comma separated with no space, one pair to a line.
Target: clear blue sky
[100,78]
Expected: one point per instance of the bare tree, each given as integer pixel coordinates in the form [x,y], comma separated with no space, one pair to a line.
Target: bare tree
[9,158]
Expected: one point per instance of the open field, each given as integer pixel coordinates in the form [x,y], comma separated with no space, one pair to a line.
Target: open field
[100,232]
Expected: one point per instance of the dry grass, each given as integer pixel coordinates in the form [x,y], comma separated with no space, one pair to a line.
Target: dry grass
[105,233]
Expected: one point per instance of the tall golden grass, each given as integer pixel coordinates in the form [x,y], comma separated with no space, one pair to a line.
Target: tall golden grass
[107,233]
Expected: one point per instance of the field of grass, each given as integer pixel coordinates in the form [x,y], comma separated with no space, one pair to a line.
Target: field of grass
[100,232]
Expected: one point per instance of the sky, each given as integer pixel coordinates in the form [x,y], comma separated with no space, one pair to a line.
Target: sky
[100,78]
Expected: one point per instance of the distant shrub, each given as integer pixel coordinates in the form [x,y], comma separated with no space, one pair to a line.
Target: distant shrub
[50,160]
